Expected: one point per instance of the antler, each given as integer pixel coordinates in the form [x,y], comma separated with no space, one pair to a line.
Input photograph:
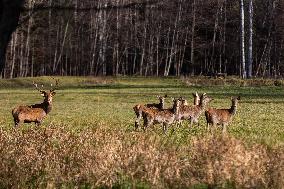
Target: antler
[35,84]
[56,84]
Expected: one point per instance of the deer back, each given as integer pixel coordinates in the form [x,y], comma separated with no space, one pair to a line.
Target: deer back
[28,114]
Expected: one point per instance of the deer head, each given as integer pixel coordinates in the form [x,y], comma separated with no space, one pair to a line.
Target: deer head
[235,100]
[47,94]
[183,101]
[204,99]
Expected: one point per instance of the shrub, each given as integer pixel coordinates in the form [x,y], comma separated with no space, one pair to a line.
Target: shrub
[98,157]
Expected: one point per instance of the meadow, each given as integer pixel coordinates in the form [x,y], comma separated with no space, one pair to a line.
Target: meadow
[88,140]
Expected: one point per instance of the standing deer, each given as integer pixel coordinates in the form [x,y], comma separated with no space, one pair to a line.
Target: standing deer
[184,104]
[36,112]
[222,116]
[165,116]
[139,108]
[196,98]
[193,113]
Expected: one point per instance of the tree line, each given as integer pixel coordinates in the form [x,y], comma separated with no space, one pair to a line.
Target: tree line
[142,37]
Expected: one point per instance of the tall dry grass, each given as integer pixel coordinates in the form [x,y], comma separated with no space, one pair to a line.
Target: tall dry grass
[99,157]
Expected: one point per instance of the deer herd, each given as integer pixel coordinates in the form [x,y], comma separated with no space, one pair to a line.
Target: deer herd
[181,110]
[154,113]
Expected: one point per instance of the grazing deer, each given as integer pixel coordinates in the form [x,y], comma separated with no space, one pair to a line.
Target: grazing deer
[139,108]
[193,113]
[165,116]
[221,116]
[36,112]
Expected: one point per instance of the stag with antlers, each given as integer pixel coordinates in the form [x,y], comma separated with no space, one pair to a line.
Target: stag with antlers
[36,112]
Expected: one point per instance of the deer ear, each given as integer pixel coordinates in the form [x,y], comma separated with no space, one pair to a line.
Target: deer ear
[239,98]
[53,93]
[42,93]
[195,94]
[166,96]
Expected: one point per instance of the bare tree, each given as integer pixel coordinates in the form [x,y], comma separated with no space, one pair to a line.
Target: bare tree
[242,40]
[250,55]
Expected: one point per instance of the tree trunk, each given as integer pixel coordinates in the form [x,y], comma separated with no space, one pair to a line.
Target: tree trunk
[10,11]
[250,58]
[192,38]
[242,40]
[13,50]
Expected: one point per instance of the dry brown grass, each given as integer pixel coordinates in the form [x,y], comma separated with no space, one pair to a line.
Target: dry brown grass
[55,156]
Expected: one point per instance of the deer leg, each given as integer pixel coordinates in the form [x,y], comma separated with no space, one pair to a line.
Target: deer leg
[224,128]
[17,124]
[208,125]
[16,121]
[136,125]
[178,123]
[191,122]
[139,116]
[147,123]
[165,128]
[214,127]
[38,123]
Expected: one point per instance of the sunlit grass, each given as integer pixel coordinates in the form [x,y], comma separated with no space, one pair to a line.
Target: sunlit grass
[102,107]
[82,102]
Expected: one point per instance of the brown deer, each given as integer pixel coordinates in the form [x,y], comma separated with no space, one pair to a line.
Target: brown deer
[222,116]
[36,112]
[139,108]
[196,98]
[183,101]
[193,113]
[164,116]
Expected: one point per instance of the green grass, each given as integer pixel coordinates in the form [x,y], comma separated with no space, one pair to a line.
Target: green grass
[90,132]
[87,102]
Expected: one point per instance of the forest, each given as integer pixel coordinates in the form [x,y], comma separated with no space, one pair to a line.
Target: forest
[142,38]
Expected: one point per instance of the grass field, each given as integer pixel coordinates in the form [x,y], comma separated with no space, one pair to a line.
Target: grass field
[97,112]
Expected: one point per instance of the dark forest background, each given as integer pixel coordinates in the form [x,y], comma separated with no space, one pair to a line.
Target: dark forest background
[147,38]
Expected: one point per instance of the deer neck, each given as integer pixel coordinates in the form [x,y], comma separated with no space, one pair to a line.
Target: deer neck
[233,109]
[46,106]
[175,109]
[161,105]
[202,106]
[196,101]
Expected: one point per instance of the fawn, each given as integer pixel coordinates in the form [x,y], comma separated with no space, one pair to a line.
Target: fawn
[140,107]
[222,116]
[165,116]
[36,112]
[193,113]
